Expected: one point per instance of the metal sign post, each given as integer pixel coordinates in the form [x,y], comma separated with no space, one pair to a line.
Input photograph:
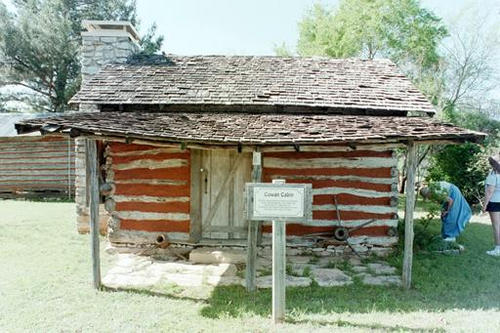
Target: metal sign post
[279,202]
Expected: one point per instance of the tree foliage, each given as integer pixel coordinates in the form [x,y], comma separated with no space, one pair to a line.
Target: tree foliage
[469,75]
[282,50]
[466,176]
[3,107]
[469,70]
[466,165]
[453,67]
[40,45]
[400,30]
[397,29]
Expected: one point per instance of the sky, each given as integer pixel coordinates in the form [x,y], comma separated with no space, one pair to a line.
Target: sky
[251,27]
[255,27]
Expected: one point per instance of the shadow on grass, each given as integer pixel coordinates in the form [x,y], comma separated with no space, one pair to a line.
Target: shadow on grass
[155,293]
[348,324]
[440,282]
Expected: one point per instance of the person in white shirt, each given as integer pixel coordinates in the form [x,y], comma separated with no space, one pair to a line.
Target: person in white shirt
[492,203]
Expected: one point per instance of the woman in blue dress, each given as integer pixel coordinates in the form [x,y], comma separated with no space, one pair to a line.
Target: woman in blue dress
[455,213]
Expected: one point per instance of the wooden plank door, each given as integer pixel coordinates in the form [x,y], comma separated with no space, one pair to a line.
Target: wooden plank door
[223,177]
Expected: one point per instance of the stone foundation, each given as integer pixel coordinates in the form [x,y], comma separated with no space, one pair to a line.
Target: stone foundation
[83,221]
[81,198]
[209,253]
[210,267]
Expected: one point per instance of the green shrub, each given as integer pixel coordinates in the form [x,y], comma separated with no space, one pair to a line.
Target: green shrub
[427,228]
[466,165]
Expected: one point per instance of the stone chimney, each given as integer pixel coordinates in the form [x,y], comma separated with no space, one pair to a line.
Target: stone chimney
[105,42]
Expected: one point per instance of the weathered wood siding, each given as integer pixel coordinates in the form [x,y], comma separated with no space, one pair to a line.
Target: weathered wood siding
[36,165]
[151,190]
[364,182]
[223,166]
[82,199]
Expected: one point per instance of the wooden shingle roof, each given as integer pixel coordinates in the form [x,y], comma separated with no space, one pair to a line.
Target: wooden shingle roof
[247,83]
[251,129]
[7,121]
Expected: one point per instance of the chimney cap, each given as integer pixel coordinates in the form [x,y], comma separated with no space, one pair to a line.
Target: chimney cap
[99,27]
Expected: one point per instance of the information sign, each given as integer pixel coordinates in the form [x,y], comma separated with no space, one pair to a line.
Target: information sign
[290,202]
[277,202]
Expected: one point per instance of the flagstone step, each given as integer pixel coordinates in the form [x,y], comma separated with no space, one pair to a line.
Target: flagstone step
[211,255]
[291,281]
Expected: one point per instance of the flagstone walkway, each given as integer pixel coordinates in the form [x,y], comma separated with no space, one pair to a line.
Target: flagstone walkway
[215,267]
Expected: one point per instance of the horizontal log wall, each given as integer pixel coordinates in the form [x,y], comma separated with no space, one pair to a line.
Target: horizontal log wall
[363,181]
[35,164]
[151,192]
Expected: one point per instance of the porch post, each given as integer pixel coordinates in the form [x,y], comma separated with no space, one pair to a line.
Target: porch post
[253,229]
[93,189]
[279,267]
[195,231]
[409,208]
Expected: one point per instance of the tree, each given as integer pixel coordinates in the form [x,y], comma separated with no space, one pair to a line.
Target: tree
[282,50]
[397,29]
[471,54]
[40,45]
[469,176]
[400,30]
[466,165]
[3,107]
[469,74]
[450,72]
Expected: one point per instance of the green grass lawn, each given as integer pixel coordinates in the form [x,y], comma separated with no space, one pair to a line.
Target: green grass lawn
[45,286]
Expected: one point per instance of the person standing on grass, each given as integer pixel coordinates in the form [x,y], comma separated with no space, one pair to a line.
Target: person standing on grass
[492,203]
[455,213]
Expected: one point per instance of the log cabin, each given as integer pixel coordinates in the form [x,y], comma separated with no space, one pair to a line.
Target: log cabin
[34,166]
[178,137]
